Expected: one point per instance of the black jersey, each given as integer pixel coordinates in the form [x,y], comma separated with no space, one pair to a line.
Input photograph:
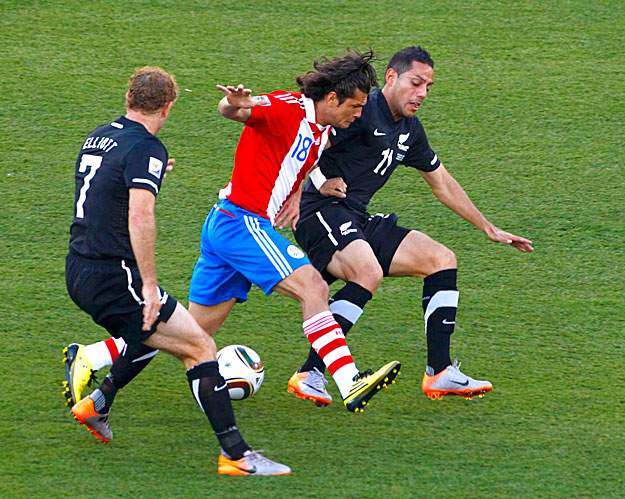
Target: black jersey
[366,153]
[113,158]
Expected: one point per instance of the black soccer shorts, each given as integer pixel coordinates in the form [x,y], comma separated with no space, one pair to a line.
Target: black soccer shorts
[335,226]
[110,292]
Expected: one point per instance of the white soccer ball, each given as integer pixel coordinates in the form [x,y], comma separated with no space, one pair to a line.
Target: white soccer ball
[242,369]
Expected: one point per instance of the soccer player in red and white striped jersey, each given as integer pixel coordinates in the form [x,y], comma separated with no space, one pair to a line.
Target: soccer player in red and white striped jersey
[284,136]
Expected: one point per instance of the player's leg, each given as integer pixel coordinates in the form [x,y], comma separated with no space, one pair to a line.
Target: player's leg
[183,338]
[82,361]
[122,316]
[418,255]
[211,317]
[326,337]
[336,245]
[357,266]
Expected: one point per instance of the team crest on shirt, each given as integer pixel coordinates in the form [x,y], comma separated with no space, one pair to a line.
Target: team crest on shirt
[295,252]
[403,137]
[155,167]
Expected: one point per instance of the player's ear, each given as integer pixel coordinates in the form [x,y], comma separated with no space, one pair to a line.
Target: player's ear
[127,95]
[332,99]
[390,76]
[167,108]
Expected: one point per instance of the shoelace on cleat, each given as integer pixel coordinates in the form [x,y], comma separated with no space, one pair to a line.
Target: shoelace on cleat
[455,365]
[93,380]
[363,375]
[256,455]
[317,380]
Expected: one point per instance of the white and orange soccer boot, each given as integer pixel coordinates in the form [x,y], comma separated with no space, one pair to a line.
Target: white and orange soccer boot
[84,412]
[310,385]
[252,463]
[451,381]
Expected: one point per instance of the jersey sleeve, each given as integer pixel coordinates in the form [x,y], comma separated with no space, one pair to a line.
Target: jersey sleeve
[145,165]
[271,117]
[420,155]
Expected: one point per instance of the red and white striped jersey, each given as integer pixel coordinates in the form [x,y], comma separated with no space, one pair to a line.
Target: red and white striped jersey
[280,144]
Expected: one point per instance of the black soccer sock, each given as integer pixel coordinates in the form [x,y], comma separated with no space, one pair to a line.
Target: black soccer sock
[211,392]
[440,302]
[127,366]
[346,305]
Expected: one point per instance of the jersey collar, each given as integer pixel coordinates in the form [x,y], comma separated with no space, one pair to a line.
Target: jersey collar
[122,120]
[382,104]
[311,115]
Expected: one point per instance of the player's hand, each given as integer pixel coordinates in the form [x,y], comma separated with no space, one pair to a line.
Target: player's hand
[169,167]
[501,236]
[241,97]
[151,305]
[289,212]
[334,187]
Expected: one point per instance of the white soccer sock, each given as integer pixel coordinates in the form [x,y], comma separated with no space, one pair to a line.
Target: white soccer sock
[104,353]
[327,338]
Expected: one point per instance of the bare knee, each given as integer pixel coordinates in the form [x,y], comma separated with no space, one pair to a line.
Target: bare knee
[443,259]
[315,288]
[199,348]
[369,275]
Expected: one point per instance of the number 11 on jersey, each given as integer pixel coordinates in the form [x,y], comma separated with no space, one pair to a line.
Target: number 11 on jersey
[387,157]
[87,161]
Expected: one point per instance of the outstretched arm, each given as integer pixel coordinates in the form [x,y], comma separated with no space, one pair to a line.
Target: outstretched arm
[451,194]
[238,102]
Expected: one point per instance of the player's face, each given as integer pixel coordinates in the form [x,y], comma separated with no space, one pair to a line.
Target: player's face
[344,114]
[407,91]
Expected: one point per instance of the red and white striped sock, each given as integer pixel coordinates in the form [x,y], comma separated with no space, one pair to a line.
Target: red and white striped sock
[104,353]
[327,338]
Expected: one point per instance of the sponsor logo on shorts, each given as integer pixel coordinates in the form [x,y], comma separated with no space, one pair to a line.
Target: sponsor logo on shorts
[295,252]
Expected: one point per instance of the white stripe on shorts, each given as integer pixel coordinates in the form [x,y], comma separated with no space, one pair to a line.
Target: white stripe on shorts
[272,245]
[272,253]
[130,288]
[324,223]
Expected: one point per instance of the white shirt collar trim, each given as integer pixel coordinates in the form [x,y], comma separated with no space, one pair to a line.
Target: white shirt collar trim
[311,115]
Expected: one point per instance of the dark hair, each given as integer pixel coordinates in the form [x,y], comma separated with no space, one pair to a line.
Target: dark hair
[343,75]
[402,60]
[151,89]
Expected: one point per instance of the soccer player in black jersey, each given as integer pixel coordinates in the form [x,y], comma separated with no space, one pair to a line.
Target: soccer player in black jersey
[111,269]
[344,242]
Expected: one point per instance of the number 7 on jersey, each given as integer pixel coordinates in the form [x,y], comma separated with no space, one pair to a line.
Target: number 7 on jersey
[87,161]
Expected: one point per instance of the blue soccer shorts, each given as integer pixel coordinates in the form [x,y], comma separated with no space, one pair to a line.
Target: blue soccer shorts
[239,249]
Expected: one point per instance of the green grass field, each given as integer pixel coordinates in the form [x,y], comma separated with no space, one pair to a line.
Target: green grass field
[526,112]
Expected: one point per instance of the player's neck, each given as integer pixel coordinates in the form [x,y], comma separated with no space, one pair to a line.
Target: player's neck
[320,113]
[152,122]
[386,93]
